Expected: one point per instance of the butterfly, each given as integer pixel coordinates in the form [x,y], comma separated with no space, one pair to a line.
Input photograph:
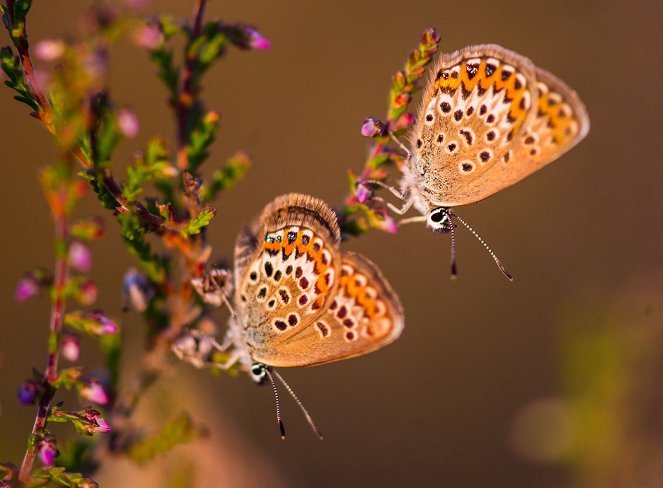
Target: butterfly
[299,300]
[489,117]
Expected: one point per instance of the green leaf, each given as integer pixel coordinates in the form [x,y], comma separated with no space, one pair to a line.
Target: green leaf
[68,378]
[57,474]
[91,323]
[200,139]
[199,222]
[162,57]
[226,177]
[178,431]
[87,229]
[16,78]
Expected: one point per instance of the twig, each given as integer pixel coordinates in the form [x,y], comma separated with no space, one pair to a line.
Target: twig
[186,97]
[55,325]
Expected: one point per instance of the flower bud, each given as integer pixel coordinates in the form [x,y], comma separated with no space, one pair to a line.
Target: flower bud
[87,292]
[136,291]
[363,193]
[104,325]
[27,287]
[372,127]
[256,40]
[49,49]
[71,349]
[97,423]
[80,257]
[149,36]
[27,392]
[93,391]
[127,122]
[47,450]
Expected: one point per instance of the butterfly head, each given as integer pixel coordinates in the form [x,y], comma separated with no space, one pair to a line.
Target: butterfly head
[439,220]
[259,373]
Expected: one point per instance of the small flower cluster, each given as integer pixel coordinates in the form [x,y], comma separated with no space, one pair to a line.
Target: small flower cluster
[164,199]
[361,211]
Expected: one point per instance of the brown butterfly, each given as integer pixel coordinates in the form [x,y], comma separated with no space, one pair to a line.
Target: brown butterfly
[299,300]
[489,118]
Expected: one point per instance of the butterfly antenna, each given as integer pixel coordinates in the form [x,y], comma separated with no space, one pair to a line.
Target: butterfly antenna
[279,419]
[308,417]
[454,269]
[490,251]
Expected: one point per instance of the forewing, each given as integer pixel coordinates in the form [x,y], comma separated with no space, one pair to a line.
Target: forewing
[287,269]
[480,109]
[363,315]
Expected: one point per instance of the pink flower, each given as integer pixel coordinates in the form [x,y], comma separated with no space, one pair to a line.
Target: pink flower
[256,40]
[388,225]
[27,287]
[47,450]
[93,391]
[148,36]
[128,123]
[71,349]
[104,325]
[97,424]
[49,49]
[80,256]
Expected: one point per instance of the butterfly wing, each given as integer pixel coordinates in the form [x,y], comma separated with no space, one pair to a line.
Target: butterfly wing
[363,315]
[486,122]
[286,270]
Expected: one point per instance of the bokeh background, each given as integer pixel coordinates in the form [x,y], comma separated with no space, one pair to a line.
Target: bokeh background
[554,380]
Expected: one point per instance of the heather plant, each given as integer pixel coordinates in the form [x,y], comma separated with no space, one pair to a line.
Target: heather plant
[163,206]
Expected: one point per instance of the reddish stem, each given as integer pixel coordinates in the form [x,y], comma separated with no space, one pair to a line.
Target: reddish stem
[55,325]
[22,46]
[187,94]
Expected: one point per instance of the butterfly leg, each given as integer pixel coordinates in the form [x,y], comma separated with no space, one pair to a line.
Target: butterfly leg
[399,210]
[403,147]
[394,191]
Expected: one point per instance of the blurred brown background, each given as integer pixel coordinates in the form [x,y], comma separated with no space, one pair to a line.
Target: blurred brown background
[551,381]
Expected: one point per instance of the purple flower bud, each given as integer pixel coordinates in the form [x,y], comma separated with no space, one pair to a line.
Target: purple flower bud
[87,292]
[47,450]
[71,349]
[104,324]
[256,40]
[93,391]
[128,123]
[372,127]
[362,192]
[80,256]
[27,287]
[49,49]
[27,392]
[97,424]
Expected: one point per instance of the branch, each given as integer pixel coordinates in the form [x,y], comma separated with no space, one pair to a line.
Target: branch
[55,326]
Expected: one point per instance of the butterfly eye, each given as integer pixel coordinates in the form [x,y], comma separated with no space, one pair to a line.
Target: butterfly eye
[438,219]
[258,373]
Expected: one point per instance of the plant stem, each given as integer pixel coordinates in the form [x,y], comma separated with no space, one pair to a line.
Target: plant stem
[55,326]
[188,92]
[22,46]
